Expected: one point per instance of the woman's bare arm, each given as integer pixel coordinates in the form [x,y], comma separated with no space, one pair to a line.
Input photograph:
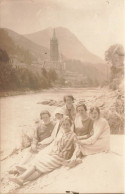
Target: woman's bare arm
[83,137]
[92,139]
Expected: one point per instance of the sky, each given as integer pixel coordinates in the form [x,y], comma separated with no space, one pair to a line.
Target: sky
[96,23]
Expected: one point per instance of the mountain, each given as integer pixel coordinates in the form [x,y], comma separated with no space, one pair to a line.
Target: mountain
[21,47]
[25,52]
[69,45]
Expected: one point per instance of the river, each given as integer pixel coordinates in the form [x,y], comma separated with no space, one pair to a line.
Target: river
[18,112]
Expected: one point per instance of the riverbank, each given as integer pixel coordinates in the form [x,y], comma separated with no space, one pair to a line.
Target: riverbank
[28,91]
[20,92]
[98,173]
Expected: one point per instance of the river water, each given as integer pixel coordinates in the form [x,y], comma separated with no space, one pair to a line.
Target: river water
[20,112]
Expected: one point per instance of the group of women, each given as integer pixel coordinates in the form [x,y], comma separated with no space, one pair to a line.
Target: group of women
[74,133]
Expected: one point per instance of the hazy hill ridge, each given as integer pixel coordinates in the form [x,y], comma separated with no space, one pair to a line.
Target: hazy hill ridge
[69,45]
[12,41]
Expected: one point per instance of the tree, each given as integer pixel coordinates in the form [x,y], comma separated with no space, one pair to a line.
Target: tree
[4,56]
[15,78]
[44,72]
[115,54]
[5,70]
[52,75]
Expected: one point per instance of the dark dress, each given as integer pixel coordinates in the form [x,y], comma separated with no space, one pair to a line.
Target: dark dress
[85,129]
[43,131]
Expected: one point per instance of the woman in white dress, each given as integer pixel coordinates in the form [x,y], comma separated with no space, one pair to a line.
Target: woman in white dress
[99,141]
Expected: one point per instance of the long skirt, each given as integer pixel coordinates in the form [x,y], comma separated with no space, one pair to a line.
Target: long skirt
[47,162]
[101,145]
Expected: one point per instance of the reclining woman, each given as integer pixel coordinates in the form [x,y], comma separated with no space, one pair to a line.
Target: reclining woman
[99,141]
[57,156]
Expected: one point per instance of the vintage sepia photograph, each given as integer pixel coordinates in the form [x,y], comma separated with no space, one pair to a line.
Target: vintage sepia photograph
[62,96]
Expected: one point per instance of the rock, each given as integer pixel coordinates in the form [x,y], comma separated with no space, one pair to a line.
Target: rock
[100,103]
[45,102]
[60,103]
[52,103]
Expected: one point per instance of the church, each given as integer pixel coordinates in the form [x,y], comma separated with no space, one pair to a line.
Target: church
[55,59]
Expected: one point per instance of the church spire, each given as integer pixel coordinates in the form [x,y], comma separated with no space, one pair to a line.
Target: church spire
[54,35]
[54,52]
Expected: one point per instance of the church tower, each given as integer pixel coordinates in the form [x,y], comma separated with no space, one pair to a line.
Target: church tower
[54,52]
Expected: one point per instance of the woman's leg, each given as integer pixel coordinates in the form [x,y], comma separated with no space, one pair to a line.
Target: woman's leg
[21,167]
[27,173]
[23,178]
[34,176]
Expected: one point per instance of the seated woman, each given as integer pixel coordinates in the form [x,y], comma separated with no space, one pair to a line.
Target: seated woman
[58,119]
[43,131]
[59,153]
[69,109]
[100,138]
[83,123]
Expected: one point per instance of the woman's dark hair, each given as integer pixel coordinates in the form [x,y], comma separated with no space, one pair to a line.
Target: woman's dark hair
[68,96]
[94,108]
[68,119]
[81,104]
[45,112]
